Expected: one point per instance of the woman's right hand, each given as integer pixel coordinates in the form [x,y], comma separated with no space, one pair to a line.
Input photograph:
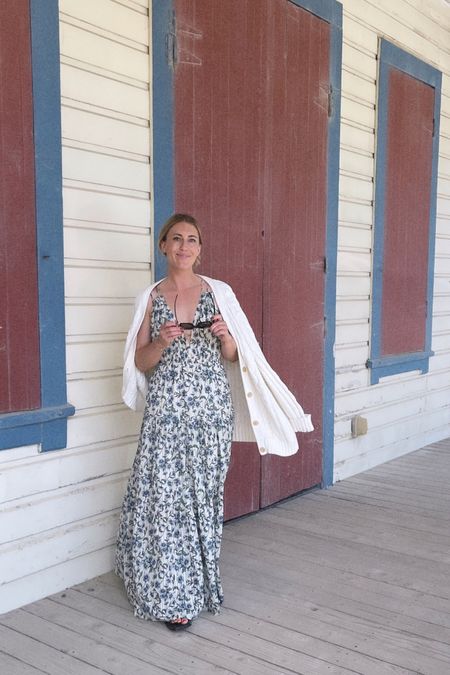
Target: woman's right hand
[168,332]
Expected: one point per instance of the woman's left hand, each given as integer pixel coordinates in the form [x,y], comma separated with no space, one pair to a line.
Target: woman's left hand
[219,328]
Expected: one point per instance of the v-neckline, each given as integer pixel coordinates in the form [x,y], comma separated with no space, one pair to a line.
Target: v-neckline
[203,290]
[172,310]
[188,334]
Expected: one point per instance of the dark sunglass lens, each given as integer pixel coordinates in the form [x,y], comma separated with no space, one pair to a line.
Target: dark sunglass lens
[190,326]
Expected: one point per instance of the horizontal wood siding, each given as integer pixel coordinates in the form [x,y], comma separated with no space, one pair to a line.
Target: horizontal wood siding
[59,511]
[404,412]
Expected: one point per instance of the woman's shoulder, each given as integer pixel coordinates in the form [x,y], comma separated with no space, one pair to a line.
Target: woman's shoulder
[217,284]
[144,298]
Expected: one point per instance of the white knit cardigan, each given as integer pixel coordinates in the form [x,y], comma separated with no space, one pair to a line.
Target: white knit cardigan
[265,409]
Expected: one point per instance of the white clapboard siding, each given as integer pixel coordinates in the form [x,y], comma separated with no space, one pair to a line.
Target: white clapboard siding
[55,577]
[88,282]
[411,409]
[357,33]
[103,52]
[355,236]
[352,309]
[110,424]
[363,458]
[348,355]
[355,211]
[110,133]
[94,91]
[358,87]
[444,172]
[350,283]
[58,545]
[59,510]
[357,137]
[441,360]
[348,403]
[86,318]
[95,389]
[386,433]
[94,241]
[110,16]
[88,354]
[352,331]
[357,111]
[354,261]
[444,246]
[23,517]
[357,162]
[49,472]
[445,124]
[383,20]
[92,167]
[356,187]
[102,206]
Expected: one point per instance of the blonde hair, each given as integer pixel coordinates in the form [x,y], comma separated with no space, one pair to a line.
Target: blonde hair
[173,220]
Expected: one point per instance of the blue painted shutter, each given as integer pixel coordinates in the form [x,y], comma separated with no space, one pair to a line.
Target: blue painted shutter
[405,212]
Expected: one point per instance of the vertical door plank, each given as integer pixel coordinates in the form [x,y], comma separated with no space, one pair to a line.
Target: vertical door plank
[19,325]
[296,198]
[219,167]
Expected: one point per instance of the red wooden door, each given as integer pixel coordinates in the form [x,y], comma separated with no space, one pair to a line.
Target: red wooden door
[294,252]
[19,323]
[251,102]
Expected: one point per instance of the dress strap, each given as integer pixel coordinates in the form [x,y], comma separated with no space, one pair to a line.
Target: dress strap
[155,292]
[204,285]
[207,288]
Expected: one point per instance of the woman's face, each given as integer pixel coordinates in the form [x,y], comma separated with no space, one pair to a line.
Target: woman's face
[182,246]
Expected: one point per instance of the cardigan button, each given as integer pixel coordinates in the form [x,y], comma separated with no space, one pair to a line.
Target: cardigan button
[255,423]
[249,394]
[262,451]
[244,369]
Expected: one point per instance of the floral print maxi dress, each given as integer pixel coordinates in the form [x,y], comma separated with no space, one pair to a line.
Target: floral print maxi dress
[171,522]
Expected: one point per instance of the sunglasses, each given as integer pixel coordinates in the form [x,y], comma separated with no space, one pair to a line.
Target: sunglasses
[190,326]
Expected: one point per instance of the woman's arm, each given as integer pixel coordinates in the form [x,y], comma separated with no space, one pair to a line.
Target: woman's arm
[227,343]
[148,353]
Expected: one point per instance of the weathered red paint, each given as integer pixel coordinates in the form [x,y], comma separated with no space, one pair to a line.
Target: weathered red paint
[295,206]
[251,85]
[19,330]
[407,214]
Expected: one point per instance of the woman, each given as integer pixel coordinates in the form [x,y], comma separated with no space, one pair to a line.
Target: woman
[187,331]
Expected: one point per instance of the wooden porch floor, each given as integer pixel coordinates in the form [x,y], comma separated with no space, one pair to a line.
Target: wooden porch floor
[354,579]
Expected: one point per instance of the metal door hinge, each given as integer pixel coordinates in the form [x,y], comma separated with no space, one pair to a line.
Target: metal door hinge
[171,42]
[330,101]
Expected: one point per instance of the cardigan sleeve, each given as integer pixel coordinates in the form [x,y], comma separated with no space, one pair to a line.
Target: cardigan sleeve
[272,412]
[134,387]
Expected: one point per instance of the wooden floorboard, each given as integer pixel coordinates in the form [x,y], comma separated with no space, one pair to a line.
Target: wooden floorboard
[354,579]
[9,665]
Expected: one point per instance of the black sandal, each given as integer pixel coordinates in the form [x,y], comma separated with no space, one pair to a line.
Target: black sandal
[178,625]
